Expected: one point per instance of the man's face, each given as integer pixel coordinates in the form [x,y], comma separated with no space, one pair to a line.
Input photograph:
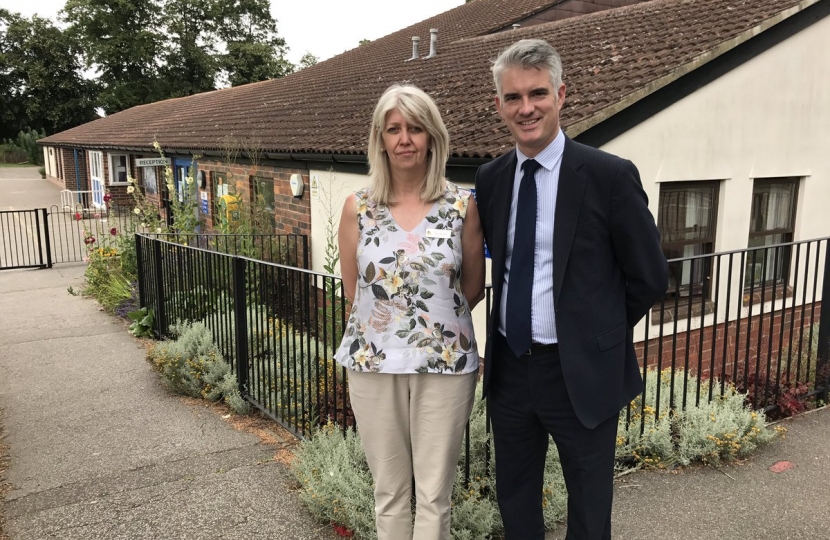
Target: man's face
[530,107]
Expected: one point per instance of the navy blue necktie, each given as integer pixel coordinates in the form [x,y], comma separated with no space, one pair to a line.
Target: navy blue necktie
[520,280]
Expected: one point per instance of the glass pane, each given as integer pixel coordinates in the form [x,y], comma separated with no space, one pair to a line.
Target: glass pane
[265,193]
[766,265]
[120,168]
[686,213]
[687,277]
[149,175]
[773,205]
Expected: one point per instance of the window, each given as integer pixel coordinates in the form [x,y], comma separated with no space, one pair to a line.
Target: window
[263,206]
[119,166]
[96,176]
[771,224]
[686,220]
[220,179]
[148,177]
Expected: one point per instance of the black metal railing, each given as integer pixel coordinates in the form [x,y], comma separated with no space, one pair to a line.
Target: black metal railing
[70,231]
[276,324]
[755,324]
[279,326]
[24,239]
[286,249]
[41,237]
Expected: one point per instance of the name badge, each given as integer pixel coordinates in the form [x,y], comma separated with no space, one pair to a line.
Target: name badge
[439,233]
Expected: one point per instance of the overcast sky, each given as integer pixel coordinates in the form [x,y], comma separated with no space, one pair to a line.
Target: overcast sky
[323,27]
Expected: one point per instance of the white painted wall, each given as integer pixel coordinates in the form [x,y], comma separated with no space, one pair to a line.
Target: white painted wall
[769,117]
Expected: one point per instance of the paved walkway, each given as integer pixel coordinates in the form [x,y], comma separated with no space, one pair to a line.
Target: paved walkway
[100,450]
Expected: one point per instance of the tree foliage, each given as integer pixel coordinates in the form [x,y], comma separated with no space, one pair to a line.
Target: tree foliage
[148,50]
[122,42]
[41,85]
[114,55]
[307,60]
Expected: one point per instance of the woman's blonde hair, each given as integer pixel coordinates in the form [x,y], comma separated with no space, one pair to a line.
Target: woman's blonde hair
[417,108]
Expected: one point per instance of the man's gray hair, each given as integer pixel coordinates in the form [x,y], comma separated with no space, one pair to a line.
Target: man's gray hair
[529,53]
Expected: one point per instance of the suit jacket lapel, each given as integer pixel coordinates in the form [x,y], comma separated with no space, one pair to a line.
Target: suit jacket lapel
[569,197]
[502,197]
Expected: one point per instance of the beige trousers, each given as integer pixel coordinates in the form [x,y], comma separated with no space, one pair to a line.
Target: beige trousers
[412,426]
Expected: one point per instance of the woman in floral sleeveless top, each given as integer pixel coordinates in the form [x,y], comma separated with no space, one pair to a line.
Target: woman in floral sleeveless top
[409,343]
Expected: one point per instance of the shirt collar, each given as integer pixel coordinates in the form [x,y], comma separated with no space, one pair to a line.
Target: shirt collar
[548,157]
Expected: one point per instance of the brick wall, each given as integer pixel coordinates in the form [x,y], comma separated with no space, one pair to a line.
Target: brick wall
[292,215]
[717,353]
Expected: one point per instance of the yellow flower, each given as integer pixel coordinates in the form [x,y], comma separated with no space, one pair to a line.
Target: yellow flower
[137,210]
[130,189]
[460,204]
[362,206]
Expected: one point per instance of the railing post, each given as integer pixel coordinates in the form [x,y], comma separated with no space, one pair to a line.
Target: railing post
[161,322]
[823,352]
[142,288]
[45,215]
[240,310]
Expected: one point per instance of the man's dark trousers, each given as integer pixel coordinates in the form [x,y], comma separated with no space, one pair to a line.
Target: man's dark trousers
[528,401]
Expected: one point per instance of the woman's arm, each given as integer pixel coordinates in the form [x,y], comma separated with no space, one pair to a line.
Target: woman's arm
[472,253]
[347,235]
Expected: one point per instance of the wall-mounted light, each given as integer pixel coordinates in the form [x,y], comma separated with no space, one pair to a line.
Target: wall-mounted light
[296,183]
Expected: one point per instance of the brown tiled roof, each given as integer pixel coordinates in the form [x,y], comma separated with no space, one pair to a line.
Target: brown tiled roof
[611,59]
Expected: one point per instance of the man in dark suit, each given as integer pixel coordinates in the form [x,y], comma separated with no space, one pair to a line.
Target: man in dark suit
[576,263]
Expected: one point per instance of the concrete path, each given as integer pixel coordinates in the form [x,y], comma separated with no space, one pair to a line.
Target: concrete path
[745,501]
[100,450]
[21,188]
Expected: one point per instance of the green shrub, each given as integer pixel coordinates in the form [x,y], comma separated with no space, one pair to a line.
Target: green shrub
[26,141]
[143,322]
[713,431]
[192,365]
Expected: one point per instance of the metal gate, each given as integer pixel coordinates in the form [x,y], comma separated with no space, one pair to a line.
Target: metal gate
[42,237]
[24,239]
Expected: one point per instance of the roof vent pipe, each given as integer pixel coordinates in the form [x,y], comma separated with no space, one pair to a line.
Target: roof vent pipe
[516,25]
[415,41]
[433,43]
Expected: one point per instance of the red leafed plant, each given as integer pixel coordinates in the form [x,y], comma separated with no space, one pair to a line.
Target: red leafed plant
[342,530]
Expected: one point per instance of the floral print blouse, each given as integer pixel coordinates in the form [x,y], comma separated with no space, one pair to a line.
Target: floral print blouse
[409,315]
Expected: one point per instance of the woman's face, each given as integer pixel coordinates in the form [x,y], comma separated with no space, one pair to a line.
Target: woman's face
[406,144]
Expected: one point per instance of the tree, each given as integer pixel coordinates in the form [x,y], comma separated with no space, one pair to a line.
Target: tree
[122,41]
[11,100]
[307,60]
[190,58]
[254,50]
[42,74]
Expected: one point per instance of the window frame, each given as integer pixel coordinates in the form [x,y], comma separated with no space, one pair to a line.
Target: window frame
[788,235]
[694,290]
[111,158]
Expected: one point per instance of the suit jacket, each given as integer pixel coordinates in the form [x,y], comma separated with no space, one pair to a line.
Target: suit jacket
[608,271]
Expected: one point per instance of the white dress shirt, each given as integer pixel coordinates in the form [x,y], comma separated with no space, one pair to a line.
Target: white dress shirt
[543,316]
